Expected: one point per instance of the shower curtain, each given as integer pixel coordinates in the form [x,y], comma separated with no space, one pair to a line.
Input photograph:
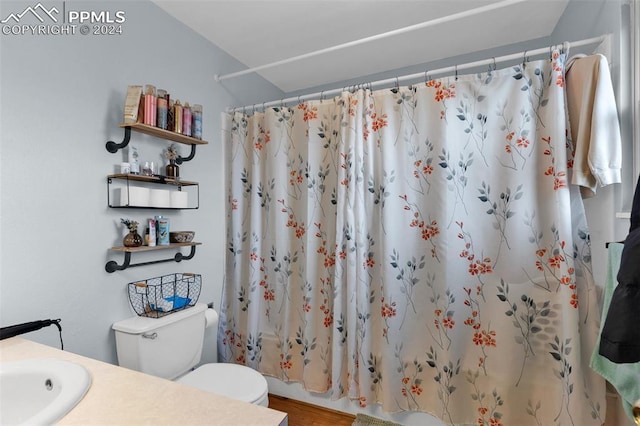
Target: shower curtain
[417,247]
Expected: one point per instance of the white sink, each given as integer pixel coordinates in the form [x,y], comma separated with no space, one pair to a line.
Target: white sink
[40,391]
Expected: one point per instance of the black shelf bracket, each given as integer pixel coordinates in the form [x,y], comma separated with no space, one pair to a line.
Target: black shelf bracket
[180,160]
[113,266]
[113,147]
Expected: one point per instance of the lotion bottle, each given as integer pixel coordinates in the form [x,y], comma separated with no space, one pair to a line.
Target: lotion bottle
[163,232]
[152,232]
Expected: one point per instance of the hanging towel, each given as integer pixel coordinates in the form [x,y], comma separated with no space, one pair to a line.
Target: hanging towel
[616,356]
[624,377]
[620,335]
[594,125]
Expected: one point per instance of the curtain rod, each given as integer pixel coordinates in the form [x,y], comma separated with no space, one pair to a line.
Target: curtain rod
[426,74]
[442,20]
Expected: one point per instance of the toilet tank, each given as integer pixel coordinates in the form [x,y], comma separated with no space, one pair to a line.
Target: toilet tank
[165,347]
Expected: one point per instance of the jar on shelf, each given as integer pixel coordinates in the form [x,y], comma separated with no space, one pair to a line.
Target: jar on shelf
[132,239]
[172,170]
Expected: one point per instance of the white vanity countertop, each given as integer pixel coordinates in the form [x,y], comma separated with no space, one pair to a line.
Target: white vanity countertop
[119,396]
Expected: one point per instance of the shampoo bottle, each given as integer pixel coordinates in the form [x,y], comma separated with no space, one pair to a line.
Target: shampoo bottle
[150,105]
[186,119]
[161,101]
[196,127]
[177,117]
[170,119]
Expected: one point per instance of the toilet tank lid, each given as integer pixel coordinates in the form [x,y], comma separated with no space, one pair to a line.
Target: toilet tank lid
[139,325]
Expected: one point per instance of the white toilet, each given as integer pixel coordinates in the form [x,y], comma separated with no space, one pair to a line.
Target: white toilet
[171,346]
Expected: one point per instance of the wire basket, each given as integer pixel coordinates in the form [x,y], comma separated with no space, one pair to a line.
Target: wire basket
[160,296]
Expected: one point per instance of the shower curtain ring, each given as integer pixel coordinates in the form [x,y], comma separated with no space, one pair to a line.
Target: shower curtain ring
[494,66]
[524,60]
[426,76]
[321,96]
[455,67]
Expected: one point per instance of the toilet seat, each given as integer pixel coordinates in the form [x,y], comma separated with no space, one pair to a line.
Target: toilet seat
[230,380]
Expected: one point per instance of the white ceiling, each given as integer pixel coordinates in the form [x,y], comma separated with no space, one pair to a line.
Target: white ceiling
[258,32]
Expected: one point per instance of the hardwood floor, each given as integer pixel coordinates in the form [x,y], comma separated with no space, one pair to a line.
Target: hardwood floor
[304,414]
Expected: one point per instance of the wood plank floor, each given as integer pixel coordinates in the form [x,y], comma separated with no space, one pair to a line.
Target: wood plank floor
[305,414]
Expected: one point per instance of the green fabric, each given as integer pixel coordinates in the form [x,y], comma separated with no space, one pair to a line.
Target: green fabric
[624,377]
[364,420]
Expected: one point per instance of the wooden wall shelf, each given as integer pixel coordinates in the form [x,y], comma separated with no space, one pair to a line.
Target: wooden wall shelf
[146,129]
[153,179]
[113,266]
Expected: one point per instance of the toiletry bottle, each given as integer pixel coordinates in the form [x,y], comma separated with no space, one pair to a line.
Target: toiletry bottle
[134,165]
[161,101]
[163,232]
[177,117]
[141,109]
[152,233]
[150,105]
[146,236]
[196,127]
[186,119]
[156,219]
[170,115]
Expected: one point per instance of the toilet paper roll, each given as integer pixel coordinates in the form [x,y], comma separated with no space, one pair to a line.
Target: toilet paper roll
[179,199]
[160,198]
[210,318]
[134,196]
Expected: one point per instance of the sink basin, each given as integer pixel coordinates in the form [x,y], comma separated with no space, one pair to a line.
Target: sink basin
[40,391]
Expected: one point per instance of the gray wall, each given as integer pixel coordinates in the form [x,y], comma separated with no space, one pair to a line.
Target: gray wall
[61,99]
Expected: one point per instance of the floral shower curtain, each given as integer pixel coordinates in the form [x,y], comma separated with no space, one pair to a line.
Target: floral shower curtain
[417,247]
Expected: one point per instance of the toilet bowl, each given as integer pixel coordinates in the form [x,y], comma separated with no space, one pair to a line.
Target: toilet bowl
[171,346]
[231,380]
